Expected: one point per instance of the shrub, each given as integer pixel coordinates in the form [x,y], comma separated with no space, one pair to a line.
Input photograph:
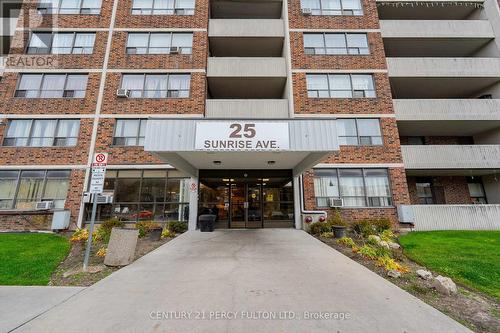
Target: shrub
[382,224]
[80,235]
[347,241]
[145,227]
[167,233]
[336,220]
[381,251]
[391,264]
[372,240]
[111,223]
[328,234]
[317,228]
[102,252]
[364,228]
[387,235]
[368,251]
[178,227]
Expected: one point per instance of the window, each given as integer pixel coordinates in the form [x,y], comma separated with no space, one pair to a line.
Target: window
[52,86]
[416,140]
[157,85]
[42,133]
[61,43]
[157,195]
[424,192]
[159,43]
[333,7]
[476,190]
[356,187]
[129,132]
[92,7]
[23,189]
[163,7]
[336,43]
[359,132]
[340,86]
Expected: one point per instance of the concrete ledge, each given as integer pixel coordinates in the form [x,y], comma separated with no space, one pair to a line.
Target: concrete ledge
[451,157]
[444,67]
[446,109]
[245,28]
[246,67]
[436,29]
[247,108]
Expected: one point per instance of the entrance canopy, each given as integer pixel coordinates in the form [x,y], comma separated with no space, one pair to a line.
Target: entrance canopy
[194,144]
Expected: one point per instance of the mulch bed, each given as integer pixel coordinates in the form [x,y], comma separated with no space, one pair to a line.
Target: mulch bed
[469,307]
[74,261]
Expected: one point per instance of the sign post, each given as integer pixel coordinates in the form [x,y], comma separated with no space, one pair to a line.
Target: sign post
[98,172]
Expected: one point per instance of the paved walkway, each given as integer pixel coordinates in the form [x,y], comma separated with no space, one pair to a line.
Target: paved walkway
[21,304]
[242,275]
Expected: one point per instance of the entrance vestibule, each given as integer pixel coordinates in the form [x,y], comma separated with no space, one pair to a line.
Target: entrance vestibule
[247,198]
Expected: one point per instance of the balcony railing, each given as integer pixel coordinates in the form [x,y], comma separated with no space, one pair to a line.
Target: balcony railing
[430,157]
[456,217]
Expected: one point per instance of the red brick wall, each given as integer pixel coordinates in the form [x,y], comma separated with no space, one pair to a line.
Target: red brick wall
[456,191]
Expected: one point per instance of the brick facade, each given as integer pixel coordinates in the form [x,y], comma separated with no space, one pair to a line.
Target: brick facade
[386,156]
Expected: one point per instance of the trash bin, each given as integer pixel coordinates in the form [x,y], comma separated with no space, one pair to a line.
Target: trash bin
[206,222]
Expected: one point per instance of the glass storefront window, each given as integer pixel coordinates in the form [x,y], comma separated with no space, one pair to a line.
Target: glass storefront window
[146,195]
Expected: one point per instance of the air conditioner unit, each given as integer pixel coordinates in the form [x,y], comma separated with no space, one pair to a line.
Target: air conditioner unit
[123,93]
[175,50]
[68,93]
[335,202]
[306,11]
[105,198]
[44,205]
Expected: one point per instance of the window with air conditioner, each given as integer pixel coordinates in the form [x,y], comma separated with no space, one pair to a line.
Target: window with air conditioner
[22,190]
[356,187]
[160,43]
[157,85]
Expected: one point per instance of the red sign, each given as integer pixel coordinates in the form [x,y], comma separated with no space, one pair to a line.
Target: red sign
[100,160]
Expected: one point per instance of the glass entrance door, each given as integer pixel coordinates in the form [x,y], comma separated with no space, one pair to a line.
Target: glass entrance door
[246,205]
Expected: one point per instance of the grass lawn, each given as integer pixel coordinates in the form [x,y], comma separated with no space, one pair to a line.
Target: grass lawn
[30,259]
[468,257]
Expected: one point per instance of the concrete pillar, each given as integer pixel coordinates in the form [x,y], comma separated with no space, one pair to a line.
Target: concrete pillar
[193,203]
[297,202]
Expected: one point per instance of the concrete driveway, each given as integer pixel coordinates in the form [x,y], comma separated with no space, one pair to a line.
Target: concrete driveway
[243,281]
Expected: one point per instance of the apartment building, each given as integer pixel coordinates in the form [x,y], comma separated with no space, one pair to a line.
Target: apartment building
[264,113]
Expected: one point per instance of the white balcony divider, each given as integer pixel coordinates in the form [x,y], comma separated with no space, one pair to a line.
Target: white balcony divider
[456,217]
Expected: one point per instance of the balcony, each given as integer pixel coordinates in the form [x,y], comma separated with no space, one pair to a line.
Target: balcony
[246,38]
[444,67]
[247,109]
[436,29]
[428,10]
[446,117]
[447,38]
[437,77]
[246,78]
[456,217]
[451,157]
[245,9]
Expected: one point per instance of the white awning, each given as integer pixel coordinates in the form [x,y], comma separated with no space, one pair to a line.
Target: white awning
[193,144]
